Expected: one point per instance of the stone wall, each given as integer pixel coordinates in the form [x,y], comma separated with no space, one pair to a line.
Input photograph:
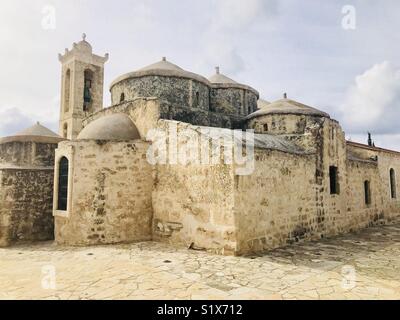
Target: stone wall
[286,199]
[234,101]
[27,153]
[382,161]
[176,91]
[111,188]
[276,205]
[26,203]
[189,101]
[192,202]
[26,189]
[193,206]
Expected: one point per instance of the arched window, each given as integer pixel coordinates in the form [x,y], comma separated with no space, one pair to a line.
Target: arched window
[197,101]
[65,130]
[367,192]
[87,91]
[63,184]
[122,97]
[265,127]
[393,191]
[67,90]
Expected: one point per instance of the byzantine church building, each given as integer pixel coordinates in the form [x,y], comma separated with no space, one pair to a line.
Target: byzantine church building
[94,182]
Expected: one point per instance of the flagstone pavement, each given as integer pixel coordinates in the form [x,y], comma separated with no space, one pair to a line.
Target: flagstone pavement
[365,265]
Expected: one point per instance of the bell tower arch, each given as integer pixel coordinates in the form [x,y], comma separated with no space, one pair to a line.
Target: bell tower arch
[81,86]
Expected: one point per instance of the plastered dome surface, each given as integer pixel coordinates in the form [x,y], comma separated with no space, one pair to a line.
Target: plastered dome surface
[111,127]
[36,133]
[161,68]
[287,106]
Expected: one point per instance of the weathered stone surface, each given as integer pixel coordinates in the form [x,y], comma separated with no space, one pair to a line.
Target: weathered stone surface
[26,190]
[111,198]
[26,205]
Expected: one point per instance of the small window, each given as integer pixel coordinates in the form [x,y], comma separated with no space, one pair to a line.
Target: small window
[334,180]
[65,130]
[63,184]
[367,192]
[265,127]
[122,98]
[393,191]
[197,100]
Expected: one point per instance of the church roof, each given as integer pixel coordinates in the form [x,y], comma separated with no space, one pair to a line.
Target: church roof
[219,80]
[112,127]
[261,141]
[36,132]
[162,65]
[288,106]
[161,68]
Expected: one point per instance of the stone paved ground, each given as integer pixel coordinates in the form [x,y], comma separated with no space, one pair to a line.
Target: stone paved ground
[359,266]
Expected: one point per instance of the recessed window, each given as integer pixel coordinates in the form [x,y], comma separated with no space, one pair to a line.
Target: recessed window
[367,192]
[67,90]
[122,97]
[334,180]
[63,184]
[65,130]
[265,127]
[87,90]
[197,99]
[393,191]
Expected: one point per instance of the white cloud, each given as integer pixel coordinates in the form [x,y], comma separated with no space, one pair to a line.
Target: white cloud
[237,14]
[231,20]
[373,102]
[224,54]
[12,121]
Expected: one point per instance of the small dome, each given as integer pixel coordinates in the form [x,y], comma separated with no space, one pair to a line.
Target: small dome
[36,133]
[162,68]
[219,80]
[112,127]
[287,106]
[37,130]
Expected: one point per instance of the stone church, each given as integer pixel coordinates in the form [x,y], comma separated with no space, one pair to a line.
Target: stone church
[95,183]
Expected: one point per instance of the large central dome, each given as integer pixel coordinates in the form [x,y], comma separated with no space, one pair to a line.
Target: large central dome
[162,68]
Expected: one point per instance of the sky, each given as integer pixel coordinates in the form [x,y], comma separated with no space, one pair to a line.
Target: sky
[342,57]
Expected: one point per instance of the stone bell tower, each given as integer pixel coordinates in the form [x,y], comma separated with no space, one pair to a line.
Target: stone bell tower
[81,87]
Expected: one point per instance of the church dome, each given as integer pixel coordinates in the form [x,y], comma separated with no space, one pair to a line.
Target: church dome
[37,130]
[287,106]
[35,133]
[162,68]
[111,127]
[219,80]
